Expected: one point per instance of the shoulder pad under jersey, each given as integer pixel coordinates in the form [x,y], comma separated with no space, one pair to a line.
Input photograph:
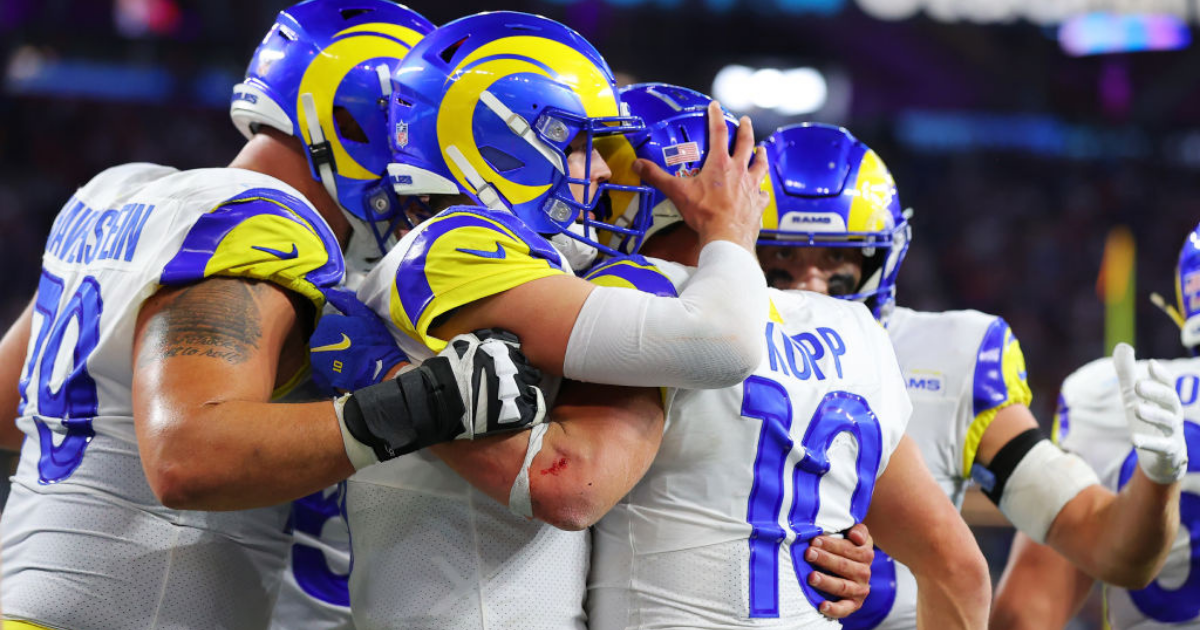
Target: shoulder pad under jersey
[462,255]
[261,234]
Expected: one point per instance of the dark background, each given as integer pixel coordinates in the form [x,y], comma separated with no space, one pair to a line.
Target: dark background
[1016,157]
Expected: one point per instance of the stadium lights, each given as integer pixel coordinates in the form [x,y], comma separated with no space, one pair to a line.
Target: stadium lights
[1045,12]
[791,92]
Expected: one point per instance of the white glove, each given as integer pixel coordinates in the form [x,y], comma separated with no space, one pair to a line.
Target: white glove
[1155,417]
[499,386]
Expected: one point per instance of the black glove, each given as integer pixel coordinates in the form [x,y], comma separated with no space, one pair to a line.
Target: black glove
[426,405]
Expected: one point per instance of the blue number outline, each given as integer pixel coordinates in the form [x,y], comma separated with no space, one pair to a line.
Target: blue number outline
[309,567]
[76,402]
[838,412]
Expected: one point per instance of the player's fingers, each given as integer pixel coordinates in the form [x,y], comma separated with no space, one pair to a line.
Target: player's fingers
[840,609]
[718,133]
[1163,420]
[758,168]
[343,300]
[837,586]
[861,535]
[1158,393]
[831,563]
[845,548]
[1124,363]
[1162,374]
[743,148]
[654,176]
[1156,444]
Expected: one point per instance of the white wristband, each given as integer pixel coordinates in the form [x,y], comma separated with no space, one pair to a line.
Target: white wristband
[360,454]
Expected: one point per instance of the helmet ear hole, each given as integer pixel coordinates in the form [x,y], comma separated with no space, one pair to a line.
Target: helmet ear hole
[499,160]
[347,127]
[448,53]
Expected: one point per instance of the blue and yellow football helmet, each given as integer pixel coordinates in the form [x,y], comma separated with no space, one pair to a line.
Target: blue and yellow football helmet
[1187,294]
[675,138]
[488,106]
[323,75]
[828,189]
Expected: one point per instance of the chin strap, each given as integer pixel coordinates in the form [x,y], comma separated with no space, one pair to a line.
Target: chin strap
[319,149]
[483,190]
[385,81]
[362,252]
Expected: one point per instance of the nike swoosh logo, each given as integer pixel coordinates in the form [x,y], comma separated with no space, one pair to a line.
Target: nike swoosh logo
[341,345]
[275,252]
[483,253]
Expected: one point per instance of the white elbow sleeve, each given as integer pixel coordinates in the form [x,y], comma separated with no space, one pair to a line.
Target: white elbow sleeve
[711,336]
[1033,481]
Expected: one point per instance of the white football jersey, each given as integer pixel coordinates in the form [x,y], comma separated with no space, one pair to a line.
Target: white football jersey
[1091,423]
[960,368]
[86,545]
[430,551]
[713,535]
[315,591]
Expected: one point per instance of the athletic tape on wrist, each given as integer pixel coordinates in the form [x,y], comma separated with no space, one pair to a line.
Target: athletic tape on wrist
[360,454]
[520,502]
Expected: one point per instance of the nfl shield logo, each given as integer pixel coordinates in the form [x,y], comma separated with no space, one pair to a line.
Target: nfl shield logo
[401,134]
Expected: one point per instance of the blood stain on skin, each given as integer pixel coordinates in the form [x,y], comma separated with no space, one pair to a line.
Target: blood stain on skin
[556,468]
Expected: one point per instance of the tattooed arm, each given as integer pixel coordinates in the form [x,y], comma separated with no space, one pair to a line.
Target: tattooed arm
[207,357]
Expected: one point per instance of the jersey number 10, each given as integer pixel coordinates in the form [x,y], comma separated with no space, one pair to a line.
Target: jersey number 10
[838,412]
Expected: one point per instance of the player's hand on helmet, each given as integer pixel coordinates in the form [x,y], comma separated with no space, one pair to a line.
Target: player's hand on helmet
[724,201]
[1155,417]
[351,347]
[843,570]
[499,386]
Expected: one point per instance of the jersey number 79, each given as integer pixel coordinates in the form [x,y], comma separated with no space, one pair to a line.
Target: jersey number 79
[74,402]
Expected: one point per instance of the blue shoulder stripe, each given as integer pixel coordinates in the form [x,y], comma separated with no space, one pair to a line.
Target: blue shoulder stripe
[990,390]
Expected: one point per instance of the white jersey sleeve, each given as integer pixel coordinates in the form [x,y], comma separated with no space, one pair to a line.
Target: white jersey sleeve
[714,533]
[85,542]
[1091,423]
[961,368]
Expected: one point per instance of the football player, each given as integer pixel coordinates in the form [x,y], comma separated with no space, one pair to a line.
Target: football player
[172,306]
[717,534]
[1041,588]
[498,111]
[966,375]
